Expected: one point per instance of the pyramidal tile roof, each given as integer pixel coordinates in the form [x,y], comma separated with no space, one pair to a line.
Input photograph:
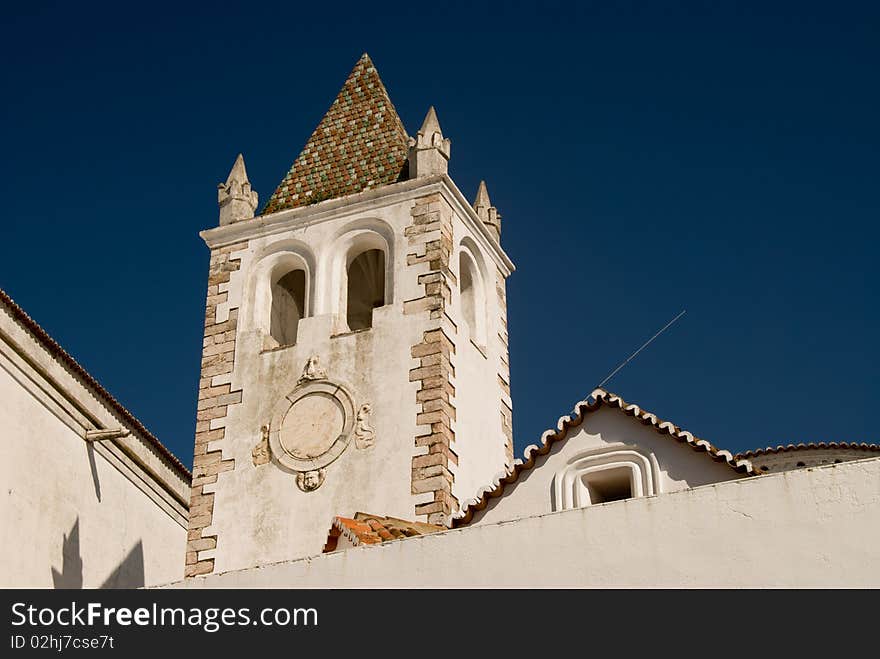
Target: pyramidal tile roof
[360,144]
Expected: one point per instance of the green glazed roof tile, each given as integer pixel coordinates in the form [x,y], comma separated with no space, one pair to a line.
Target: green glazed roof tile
[360,143]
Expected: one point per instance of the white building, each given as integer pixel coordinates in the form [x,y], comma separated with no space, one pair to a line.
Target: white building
[90,497]
[354,421]
[354,333]
[355,393]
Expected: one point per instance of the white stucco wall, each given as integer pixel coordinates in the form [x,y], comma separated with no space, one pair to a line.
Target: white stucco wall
[806,528]
[259,514]
[479,437]
[677,465]
[76,513]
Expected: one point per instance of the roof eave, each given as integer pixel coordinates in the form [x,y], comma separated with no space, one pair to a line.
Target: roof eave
[132,423]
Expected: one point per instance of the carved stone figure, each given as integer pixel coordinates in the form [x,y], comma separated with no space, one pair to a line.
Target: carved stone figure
[260,454]
[309,481]
[364,434]
[312,370]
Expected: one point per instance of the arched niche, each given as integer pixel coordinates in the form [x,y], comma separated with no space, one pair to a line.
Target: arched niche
[288,306]
[362,266]
[283,284]
[473,283]
[365,288]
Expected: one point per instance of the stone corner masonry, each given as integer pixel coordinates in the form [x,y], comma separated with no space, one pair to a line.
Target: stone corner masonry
[215,397]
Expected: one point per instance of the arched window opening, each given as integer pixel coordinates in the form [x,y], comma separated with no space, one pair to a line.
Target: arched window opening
[472,299]
[366,288]
[604,475]
[288,306]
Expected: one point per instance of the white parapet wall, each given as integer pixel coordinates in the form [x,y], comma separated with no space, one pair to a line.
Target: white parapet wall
[815,527]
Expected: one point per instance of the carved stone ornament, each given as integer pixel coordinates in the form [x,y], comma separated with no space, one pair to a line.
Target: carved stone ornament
[364,434]
[312,371]
[260,454]
[308,481]
[311,426]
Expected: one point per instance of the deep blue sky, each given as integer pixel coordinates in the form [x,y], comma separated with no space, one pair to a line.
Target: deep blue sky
[712,157]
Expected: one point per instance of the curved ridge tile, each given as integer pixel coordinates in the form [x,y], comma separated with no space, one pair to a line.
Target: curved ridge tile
[863,446]
[599,397]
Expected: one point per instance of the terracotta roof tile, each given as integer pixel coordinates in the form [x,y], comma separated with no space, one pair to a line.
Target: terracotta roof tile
[600,398]
[808,447]
[366,529]
[359,144]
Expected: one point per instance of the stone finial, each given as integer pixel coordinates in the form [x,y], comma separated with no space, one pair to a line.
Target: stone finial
[487,212]
[236,198]
[428,150]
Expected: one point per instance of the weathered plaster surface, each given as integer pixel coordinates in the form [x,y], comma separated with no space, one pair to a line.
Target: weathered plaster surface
[259,515]
[806,528]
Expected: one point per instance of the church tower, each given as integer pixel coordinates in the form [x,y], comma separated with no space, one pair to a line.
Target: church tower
[355,348]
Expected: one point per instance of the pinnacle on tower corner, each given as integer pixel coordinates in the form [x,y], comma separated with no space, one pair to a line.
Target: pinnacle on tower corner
[236,198]
[486,211]
[431,124]
[429,150]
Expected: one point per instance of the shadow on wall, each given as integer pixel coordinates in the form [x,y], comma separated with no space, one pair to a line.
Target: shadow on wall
[128,574]
[71,575]
[90,450]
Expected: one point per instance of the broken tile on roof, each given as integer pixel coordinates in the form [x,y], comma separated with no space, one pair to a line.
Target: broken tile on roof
[366,529]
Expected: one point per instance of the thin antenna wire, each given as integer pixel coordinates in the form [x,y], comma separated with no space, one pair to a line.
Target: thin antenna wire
[645,345]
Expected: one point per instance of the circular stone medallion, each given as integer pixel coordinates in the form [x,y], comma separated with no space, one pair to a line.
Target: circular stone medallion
[311,425]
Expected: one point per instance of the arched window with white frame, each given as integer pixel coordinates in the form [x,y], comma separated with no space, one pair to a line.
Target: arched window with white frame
[282,280]
[361,264]
[365,289]
[288,306]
